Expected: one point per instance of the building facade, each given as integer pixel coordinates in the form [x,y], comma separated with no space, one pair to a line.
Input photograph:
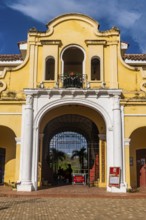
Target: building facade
[73,77]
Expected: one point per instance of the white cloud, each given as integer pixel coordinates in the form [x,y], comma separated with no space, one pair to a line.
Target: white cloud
[139,32]
[129,16]
[44,9]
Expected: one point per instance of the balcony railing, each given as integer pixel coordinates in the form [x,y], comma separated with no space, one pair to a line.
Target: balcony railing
[72,80]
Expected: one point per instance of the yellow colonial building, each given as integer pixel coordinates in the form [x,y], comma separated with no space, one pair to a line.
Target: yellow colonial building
[73,79]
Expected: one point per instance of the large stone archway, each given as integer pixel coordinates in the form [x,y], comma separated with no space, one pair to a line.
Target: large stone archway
[40,103]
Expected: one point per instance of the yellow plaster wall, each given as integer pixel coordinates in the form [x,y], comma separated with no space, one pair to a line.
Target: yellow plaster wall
[137,140]
[10,128]
[74,31]
[7,141]
[126,78]
[17,79]
[132,123]
[10,116]
[77,32]
[127,166]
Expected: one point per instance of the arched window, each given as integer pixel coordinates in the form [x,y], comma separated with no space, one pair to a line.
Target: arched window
[50,69]
[73,60]
[95,68]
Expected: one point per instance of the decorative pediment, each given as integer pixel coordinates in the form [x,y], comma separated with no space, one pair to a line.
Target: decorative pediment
[75,17]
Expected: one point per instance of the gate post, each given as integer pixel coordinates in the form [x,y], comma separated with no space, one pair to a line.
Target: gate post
[102,160]
[117,142]
[26,165]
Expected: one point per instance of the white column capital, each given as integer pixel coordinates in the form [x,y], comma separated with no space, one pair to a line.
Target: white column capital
[110,128]
[18,140]
[29,99]
[127,141]
[116,102]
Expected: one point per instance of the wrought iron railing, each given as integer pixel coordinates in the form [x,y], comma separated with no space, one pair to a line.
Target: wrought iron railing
[72,80]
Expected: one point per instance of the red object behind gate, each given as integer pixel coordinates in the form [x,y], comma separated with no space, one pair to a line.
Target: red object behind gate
[79,179]
[143,176]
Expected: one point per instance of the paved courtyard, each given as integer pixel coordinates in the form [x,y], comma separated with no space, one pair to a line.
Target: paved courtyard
[71,203]
[72,208]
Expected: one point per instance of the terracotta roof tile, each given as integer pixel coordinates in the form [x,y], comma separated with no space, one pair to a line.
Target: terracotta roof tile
[135,57]
[10,57]
[15,57]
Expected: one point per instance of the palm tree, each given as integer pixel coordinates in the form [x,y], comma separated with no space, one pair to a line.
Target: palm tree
[54,156]
[81,154]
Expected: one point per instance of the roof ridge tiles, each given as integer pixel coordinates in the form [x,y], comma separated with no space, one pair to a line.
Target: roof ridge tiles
[10,57]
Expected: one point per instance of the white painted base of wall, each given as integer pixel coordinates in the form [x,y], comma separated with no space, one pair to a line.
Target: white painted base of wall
[121,189]
[25,187]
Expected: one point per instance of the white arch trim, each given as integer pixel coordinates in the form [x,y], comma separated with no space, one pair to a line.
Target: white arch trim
[87,103]
[52,105]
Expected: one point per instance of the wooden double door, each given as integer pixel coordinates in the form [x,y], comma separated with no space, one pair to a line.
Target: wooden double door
[2,164]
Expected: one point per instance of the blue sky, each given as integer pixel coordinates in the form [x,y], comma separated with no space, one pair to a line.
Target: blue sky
[18,16]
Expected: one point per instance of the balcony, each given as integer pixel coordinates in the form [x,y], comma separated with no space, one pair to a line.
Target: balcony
[72,80]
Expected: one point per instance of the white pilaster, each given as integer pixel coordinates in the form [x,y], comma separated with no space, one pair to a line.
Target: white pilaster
[17,165]
[117,143]
[35,155]
[102,161]
[25,181]
[40,158]
[117,133]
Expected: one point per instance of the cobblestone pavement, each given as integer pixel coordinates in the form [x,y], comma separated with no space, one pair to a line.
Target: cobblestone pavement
[72,208]
[71,203]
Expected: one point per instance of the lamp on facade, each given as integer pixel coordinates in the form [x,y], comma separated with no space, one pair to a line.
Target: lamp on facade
[103,84]
[41,85]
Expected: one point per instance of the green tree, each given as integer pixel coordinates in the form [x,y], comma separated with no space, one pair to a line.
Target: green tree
[81,154]
[54,157]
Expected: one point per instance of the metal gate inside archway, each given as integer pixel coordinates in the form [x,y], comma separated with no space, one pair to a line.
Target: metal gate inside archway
[70,152]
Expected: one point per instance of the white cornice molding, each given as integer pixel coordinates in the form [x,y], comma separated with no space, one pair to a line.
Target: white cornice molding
[10,63]
[135,115]
[95,42]
[51,42]
[132,62]
[10,113]
[74,92]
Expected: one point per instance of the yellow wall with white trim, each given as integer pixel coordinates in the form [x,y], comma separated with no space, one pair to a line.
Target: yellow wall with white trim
[73,29]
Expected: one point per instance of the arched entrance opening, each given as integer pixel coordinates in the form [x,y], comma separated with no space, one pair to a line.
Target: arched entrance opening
[69,136]
[74,128]
[67,154]
[138,158]
[7,155]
